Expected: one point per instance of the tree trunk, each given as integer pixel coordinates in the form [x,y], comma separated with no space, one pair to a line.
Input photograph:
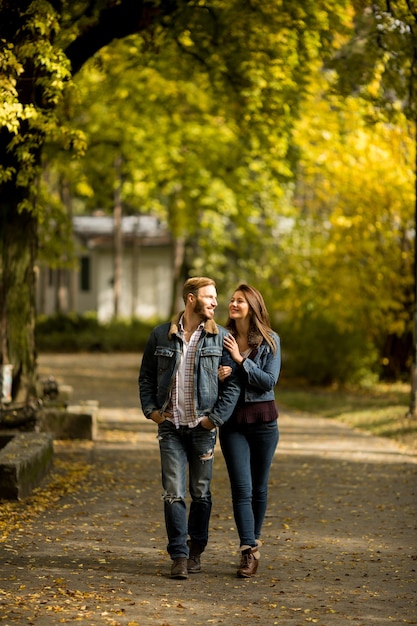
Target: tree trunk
[118,239]
[136,252]
[179,257]
[17,296]
[412,412]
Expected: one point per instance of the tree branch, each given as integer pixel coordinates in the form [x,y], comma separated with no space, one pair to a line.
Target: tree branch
[115,22]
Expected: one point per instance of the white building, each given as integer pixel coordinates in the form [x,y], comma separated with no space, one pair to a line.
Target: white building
[146,272]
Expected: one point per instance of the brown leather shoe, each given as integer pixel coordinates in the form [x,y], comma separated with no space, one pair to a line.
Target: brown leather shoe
[248,563]
[179,568]
[193,563]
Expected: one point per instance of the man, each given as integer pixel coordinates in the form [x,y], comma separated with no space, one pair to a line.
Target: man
[178,388]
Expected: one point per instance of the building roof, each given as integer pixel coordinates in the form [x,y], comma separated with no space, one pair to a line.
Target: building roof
[98,230]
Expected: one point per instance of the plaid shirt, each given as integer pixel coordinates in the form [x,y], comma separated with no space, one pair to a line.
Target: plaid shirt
[183,405]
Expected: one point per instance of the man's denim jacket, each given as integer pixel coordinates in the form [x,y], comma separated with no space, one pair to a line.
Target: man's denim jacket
[160,362]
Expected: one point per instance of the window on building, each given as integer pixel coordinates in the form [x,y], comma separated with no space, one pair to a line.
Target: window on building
[85,279]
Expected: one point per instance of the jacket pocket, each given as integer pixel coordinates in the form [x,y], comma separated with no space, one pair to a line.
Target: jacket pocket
[210,360]
[164,356]
[212,351]
[164,351]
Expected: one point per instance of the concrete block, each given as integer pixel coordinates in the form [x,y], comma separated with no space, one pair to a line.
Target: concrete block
[74,422]
[25,458]
[65,393]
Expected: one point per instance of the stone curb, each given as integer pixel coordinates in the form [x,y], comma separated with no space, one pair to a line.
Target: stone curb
[24,461]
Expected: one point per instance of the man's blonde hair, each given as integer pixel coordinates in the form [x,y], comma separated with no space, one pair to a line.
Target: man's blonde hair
[192,285]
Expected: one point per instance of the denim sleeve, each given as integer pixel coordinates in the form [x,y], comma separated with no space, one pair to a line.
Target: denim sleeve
[148,377]
[229,395]
[264,375]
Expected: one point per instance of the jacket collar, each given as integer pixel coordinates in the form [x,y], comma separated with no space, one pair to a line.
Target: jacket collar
[210,326]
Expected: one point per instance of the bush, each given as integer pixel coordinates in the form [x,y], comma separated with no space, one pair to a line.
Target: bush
[84,333]
[317,350]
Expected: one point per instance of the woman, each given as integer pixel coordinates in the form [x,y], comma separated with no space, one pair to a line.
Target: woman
[249,438]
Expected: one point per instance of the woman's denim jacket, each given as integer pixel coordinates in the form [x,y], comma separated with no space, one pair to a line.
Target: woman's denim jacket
[260,374]
[160,362]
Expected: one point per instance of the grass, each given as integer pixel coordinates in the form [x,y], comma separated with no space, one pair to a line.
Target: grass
[380,410]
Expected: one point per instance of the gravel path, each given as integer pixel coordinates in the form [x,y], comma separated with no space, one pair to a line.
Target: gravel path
[339,538]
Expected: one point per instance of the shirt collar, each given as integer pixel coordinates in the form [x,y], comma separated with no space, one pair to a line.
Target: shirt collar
[181,324]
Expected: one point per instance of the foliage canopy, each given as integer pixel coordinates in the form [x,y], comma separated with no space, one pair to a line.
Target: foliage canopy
[226,122]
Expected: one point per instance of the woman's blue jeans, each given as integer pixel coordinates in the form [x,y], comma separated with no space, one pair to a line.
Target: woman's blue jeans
[181,448]
[248,450]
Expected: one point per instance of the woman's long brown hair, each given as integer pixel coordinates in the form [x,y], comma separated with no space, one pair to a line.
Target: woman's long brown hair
[259,326]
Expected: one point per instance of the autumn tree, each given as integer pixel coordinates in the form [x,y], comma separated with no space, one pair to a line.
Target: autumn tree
[42,45]
[379,65]
[347,273]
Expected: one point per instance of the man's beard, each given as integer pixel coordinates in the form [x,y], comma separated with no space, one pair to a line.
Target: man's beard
[199,310]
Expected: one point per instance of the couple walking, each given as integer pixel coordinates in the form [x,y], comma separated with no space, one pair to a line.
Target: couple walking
[197,377]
